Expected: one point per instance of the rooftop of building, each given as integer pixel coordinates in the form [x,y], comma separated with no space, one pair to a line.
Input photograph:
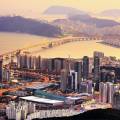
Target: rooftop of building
[41,100]
[40,86]
[43,94]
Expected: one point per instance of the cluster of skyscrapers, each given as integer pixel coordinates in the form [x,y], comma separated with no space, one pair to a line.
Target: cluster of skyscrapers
[75,77]
[28,62]
[78,75]
[73,71]
[82,77]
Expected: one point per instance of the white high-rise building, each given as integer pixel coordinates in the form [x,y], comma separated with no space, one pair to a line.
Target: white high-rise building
[38,62]
[74,84]
[103,92]
[19,111]
[107,91]
[30,62]
[110,92]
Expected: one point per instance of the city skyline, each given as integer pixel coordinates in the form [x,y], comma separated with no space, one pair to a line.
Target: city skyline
[59,58]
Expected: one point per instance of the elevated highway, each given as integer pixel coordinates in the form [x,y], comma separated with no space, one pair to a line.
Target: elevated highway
[47,45]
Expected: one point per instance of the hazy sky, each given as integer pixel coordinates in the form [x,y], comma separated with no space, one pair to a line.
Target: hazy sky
[36,7]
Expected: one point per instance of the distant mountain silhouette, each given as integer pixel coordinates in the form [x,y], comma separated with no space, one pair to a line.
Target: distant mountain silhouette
[63,10]
[94,21]
[111,13]
[30,26]
[100,114]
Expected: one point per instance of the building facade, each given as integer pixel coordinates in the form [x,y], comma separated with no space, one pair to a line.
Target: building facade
[85,67]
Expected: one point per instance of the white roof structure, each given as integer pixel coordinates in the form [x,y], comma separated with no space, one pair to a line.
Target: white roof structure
[15,81]
[42,100]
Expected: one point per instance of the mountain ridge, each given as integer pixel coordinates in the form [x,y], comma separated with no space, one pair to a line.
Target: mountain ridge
[63,10]
[110,13]
[87,19]
[26,25]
